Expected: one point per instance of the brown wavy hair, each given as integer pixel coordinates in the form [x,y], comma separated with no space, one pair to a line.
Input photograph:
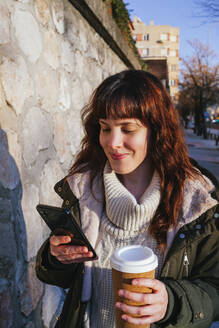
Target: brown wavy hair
[139,94]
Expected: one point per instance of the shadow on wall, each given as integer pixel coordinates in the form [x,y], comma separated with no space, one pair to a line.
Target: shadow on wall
[15,291]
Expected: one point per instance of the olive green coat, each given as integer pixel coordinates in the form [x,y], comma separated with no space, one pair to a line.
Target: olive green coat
[193,285]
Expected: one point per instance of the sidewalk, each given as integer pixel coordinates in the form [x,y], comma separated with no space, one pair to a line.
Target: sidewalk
[197,141]
[205,152]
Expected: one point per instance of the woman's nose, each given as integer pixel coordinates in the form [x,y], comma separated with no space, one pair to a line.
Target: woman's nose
[115,140]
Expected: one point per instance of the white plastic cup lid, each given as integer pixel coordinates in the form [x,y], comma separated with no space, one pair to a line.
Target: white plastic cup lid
[134,259]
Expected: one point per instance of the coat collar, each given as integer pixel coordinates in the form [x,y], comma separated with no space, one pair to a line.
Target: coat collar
[197,199]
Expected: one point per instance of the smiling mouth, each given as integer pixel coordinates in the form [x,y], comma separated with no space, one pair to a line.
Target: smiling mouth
[118,156]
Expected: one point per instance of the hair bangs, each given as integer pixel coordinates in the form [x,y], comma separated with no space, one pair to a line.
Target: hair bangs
[120,103]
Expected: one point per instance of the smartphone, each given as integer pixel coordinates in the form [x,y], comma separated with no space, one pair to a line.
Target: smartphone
[61,222]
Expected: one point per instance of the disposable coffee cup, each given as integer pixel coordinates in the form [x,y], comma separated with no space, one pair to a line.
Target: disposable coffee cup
[128,263]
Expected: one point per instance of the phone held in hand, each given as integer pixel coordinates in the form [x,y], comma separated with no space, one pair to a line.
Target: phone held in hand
[61,222]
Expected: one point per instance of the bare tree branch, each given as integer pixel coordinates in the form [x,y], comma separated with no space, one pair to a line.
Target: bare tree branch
[208,9]
[199,86]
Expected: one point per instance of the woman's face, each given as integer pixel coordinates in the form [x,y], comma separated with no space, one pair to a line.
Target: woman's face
[125,143]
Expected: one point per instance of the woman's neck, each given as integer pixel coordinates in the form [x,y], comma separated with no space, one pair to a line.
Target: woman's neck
[138,181]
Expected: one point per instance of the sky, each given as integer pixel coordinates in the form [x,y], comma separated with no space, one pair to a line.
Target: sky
[181,14]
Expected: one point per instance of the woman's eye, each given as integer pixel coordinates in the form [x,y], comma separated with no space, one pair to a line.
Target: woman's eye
[128,131]
[104,129]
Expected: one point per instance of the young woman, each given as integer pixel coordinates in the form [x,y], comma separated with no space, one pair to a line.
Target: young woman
[133,183]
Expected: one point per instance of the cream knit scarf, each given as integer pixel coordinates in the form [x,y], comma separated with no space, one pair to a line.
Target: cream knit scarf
[122,207]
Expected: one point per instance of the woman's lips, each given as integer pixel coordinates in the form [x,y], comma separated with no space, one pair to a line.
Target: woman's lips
[118,156]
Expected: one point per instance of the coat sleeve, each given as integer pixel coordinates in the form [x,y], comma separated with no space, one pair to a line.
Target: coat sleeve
[194,300]
[48,268]
[53,272]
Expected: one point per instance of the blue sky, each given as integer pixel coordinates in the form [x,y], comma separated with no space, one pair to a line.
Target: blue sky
[181,14]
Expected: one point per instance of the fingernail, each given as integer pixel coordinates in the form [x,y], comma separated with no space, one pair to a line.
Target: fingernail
[118,305]
[121,292]
[124,317]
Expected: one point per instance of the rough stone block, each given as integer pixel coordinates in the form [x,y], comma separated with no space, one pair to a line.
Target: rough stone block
[31,290]
[14,148]
[51,51]
[51,174]
[24,1]
[9,175]
[83,36]
[34,229]
[58,15]
[80,64]
[3,139]
[67,56]
[16,82]
[30,325]
[6,310]
[42,12]
[37,134]
[77,95]
[8,251]
[50,305]
[29,39]
[67,137]
[5,210]
[3,285]
[5,24]
[47,87]
[64,92]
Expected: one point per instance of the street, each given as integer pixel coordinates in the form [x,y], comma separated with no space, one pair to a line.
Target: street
[205,152]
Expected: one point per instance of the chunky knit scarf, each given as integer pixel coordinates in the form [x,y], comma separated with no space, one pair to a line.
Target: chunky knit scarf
[124,222]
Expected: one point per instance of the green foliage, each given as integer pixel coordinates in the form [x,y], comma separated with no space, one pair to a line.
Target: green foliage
[121,15]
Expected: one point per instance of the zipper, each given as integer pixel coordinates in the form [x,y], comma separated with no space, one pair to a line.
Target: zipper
[186,262]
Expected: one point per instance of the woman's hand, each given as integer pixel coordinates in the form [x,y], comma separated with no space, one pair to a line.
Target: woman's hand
[156,302]
[68,254]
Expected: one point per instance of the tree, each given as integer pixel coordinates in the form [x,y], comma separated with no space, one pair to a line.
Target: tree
[209,9]
[199,85]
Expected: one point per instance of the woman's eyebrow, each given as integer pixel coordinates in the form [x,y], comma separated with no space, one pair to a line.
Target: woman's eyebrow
[102,122]
[119,123]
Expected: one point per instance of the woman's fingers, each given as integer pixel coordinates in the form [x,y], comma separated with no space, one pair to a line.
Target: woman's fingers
[158,296]
[155,302]
[139,321]
[68,253]
[75,257]
[138,310]
[58,240]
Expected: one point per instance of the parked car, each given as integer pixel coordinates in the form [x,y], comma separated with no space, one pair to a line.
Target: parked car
[216,120]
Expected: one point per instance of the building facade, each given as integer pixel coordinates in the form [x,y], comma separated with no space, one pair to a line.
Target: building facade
[158,46]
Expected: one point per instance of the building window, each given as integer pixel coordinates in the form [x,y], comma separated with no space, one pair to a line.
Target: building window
[145,52]
[173,83]
[172,53]
[146,37]
[164,36]
[173,38]
[163,51]
[173,68]
[139,37]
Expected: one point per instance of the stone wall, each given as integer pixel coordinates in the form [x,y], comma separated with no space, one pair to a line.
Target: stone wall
[51,59]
